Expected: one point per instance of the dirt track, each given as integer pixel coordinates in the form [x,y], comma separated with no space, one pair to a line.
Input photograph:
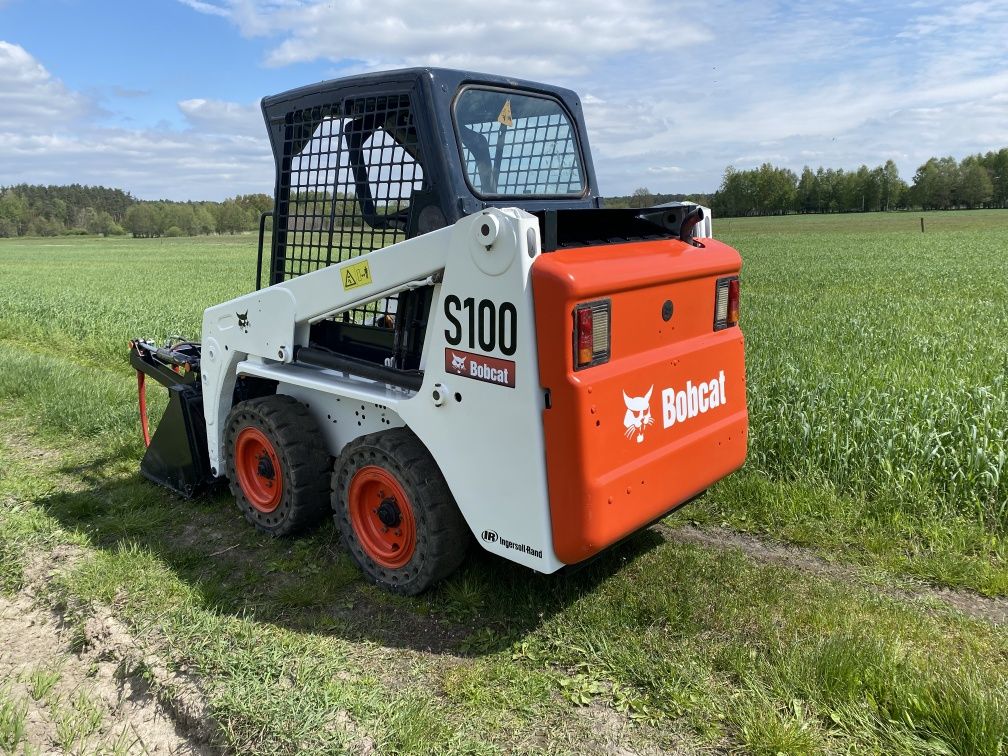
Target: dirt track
[993,610]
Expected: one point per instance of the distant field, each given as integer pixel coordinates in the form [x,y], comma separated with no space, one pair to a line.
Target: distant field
[878,394]
[878,387]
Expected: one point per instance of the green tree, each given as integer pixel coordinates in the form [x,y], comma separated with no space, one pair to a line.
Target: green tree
[13,213]
[181,216]
[203,221]
[807,192]
[775,190]
[998,167]
[257,203]
[736,195]
[936,183]
[43,226]
[105,225]
[141,220]
[87,220]
[891,185]
[232,218]
[641,197]
[975,186]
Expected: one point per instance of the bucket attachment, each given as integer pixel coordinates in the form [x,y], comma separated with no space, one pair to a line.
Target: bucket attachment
[176,456]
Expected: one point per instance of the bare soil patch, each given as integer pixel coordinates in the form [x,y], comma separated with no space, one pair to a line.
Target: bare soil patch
[612,733]
[87,684]
[82,701]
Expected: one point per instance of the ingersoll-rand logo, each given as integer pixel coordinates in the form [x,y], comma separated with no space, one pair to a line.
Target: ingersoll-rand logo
[678,406]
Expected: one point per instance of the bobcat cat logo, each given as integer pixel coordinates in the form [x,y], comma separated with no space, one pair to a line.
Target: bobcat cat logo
[243,321]
[638,414]
[458,362]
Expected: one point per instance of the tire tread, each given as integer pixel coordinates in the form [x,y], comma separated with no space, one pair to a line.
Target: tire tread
[299,443]
[444,527]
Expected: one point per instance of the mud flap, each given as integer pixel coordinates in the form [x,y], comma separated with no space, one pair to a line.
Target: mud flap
[177,457]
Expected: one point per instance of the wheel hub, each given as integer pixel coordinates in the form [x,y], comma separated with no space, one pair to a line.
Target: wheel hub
[265,467]
[389,514]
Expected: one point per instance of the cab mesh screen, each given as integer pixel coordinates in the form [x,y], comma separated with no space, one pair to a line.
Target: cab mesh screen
[346,177]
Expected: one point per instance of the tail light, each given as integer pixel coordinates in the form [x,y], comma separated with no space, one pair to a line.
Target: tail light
[591,333]
[726,303]
[733,302]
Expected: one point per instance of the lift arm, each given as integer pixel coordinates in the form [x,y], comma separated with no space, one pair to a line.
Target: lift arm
[270,324]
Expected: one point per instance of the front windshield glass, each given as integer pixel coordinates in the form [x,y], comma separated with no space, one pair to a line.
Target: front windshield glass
[515,144]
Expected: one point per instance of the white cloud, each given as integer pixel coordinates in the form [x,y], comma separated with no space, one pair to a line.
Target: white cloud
[222,117]
[661,170]
[962,16]
[29,93]
[50,136]
[512,37]
[208,8]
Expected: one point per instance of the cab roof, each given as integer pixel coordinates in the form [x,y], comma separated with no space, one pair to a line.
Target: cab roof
[448,80]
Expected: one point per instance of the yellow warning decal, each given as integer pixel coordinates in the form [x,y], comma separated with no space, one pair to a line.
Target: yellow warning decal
[505,114]
[356,274]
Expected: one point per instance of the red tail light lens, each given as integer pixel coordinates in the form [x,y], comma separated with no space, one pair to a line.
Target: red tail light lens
[733,302]
[726,303]
[591,334]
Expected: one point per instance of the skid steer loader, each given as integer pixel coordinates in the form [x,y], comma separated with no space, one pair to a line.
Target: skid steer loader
[457,340]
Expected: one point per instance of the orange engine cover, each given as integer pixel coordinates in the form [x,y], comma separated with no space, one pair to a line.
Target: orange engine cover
[630,439]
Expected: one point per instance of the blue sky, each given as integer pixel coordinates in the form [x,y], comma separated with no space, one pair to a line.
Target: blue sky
[160,97]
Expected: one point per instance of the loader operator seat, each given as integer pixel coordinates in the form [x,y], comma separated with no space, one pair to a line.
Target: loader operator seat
[480,151]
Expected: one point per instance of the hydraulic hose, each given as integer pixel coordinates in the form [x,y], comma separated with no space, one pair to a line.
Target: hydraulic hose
[142,401]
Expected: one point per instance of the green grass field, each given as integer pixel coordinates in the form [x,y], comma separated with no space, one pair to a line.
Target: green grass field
[878,385]
[878,393]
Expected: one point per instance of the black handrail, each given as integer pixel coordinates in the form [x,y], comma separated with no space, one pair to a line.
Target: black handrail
[262,231]
[407,379]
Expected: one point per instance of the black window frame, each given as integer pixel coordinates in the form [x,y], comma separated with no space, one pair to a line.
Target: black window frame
[572,125]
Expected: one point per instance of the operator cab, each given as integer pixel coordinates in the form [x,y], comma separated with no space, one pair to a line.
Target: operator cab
[366,161]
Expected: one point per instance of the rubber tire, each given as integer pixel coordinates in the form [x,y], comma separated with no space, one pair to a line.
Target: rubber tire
[442,537]
[304,462]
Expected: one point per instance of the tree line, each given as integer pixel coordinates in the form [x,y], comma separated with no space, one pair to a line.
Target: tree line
[30,210]
[27,210]
[939,184]
[979,180]
[232,216]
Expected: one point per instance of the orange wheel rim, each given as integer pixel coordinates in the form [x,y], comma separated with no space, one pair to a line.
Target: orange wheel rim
[258,468]
[382,517]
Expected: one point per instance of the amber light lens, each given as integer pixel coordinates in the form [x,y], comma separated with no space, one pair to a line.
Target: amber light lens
[584,336]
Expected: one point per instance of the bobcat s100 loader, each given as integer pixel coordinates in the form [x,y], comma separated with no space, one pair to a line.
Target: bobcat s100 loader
[456,340]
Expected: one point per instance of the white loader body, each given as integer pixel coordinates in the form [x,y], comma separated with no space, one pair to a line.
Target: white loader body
[478,410]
